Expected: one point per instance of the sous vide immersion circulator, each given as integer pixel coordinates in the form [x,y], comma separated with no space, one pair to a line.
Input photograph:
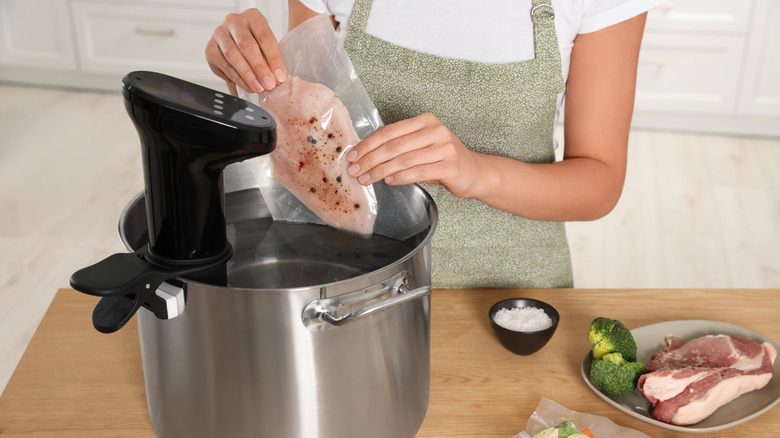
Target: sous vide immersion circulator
[188,134]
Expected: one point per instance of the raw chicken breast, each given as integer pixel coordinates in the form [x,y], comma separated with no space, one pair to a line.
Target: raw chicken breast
[313,133]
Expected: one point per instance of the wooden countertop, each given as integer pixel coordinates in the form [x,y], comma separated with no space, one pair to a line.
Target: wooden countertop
[76,382]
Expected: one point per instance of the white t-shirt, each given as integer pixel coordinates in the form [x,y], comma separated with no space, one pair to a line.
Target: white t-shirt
[495,32]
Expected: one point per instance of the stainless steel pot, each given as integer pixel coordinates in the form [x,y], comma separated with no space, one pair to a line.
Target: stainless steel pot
[315,335]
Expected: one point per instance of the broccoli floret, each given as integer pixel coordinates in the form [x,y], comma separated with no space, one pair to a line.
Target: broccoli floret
[614,375]
[565,429]
[611,336]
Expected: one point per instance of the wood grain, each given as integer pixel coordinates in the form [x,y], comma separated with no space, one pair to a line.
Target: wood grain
[74,382]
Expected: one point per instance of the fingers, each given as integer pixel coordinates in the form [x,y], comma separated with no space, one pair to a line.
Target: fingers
[257,60]
[221,67]
[232,88]
[400,153]
[425,165]
[269,68]
[244,51]
[384,135]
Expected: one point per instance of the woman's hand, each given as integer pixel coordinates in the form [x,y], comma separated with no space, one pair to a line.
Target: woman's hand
[243,51]
[420,149]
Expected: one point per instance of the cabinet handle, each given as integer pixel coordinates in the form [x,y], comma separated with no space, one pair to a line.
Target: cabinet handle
[148,31]
[653,62]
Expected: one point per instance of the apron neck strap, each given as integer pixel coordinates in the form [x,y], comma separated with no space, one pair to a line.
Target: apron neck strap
[542,13]
[360,13]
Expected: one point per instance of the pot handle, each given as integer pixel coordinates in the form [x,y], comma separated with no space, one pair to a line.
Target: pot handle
[343,309]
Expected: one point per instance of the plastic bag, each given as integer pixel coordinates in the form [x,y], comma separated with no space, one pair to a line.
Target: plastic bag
[313,54]
[550,414]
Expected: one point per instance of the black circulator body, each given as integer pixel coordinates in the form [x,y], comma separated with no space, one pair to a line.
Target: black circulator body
[189,134]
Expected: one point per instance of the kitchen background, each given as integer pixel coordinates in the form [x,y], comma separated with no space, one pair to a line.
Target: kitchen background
[700,208]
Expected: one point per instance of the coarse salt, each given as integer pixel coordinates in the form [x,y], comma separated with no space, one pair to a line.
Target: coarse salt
[523,319]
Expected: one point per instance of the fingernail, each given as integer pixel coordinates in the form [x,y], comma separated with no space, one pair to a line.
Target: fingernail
[351,155]
[257,87]
[389,179]
[362,179]
[268,83]
[281,76]
[353,169]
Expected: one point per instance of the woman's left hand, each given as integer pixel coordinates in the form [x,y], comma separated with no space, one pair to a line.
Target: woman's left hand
[420,149]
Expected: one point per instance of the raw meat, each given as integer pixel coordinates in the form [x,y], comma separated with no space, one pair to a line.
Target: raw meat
[713,390]
[709,351]
[665,384]
[689,381]
[314,131]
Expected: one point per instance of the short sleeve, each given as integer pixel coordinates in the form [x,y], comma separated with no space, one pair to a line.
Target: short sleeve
[604,13]
[317,6]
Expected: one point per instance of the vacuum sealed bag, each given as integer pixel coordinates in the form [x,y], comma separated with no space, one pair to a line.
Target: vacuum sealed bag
[321,111]
[551,414]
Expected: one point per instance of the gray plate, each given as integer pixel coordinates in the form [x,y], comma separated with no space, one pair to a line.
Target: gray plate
[650,339]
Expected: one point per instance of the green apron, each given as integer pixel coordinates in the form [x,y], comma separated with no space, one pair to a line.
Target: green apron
[499,109]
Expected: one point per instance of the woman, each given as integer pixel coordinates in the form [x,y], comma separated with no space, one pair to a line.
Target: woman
[470,100]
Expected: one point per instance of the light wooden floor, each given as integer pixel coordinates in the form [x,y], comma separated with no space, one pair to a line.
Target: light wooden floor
[697,210]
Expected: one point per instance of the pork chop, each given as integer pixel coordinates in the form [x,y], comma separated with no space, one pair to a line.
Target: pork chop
[664,384]
[313,134]
[713,351]
[715,388]
[688,381]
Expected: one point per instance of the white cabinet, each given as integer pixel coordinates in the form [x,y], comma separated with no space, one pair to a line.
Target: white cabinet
[721,16]
[33,34]
[711,66]
[94,43]
[761,88]
[671,73]
[118,38]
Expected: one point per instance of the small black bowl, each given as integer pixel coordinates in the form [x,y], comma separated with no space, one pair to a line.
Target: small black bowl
[524,343]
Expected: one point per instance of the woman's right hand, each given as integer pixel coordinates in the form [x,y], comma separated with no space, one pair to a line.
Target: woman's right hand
[243,51]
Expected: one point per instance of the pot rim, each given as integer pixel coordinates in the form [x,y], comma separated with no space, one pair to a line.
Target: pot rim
[433,214]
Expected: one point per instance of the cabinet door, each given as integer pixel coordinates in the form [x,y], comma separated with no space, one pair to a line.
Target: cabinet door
[701,15]
[36,34]
[689,73]
[115,38]
[219,3]
[761,87]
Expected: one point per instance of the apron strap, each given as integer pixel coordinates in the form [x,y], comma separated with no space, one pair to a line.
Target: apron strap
[543,18]
[360,13]
[542,11]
